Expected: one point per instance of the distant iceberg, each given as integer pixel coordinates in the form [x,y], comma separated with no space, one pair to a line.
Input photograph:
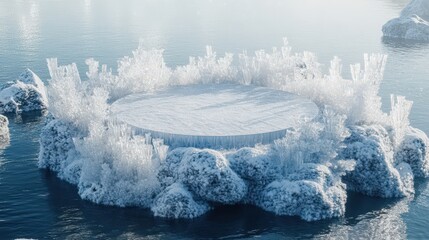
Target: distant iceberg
[28,93]
[350,145]
[412,24]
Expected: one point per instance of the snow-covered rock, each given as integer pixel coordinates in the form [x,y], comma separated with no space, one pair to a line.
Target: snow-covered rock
[57,149]
[254,164]
[310,193]
[257,167]
[177,202]
[416,7]
[168,171]
[207,174]
[4,129]
[412,24]
[375,173]
[28,93]
[414,151]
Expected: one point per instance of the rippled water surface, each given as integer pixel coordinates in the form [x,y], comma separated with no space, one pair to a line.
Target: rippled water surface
[36,204]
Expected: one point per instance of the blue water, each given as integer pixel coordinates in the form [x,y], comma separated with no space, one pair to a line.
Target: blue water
[36,204]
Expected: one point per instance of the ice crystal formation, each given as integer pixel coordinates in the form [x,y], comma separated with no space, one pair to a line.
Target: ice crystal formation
[352,144]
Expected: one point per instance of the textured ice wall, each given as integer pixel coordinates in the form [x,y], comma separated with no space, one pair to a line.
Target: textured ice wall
[112,165]
[412,24]
[28,93]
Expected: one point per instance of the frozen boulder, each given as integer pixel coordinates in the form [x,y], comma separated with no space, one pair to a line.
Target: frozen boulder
[57,148]
[412,24]
[416,7]
[168,170]
[414,150]
[4,129]
[375,173]
[318,173]
[309,193]
[257,167]
[28,93]
[254,164]
[177,202]
[207,174]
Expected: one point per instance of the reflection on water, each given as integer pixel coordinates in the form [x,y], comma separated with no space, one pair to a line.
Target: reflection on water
[366,218]
[383,223]
[35,203]
[395,44]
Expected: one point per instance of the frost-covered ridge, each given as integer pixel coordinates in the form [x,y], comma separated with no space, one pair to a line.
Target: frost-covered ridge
[351,144]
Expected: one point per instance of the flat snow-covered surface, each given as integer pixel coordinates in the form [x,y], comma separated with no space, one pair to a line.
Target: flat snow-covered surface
[218,115]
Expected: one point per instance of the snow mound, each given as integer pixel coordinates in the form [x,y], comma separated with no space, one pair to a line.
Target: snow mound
[414,151]
[177,202]
[309,193]
[375,172]
[412,23]
[207,173]
[28,93]
[4,129]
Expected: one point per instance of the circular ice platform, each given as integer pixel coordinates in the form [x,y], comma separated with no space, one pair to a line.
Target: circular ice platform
[215,115]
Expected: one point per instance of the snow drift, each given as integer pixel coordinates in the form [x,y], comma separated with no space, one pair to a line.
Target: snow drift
[351,144]
[412,24]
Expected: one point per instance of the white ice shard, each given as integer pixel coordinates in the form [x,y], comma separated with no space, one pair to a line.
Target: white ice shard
[412,24]
[28,93]
[376,173]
